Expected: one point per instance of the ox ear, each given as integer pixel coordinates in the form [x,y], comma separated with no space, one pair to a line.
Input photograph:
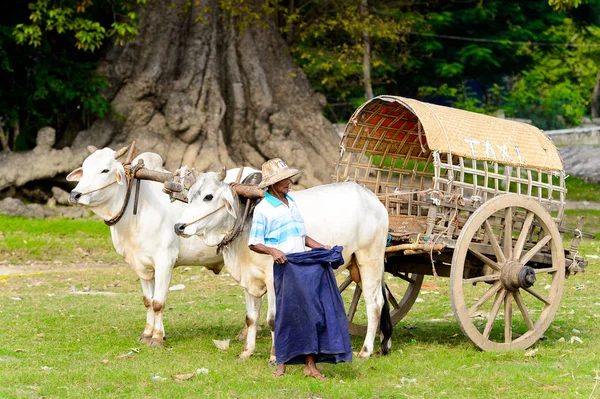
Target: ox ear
[120,174]
[75,175]
[92,149]
[229,201]
[121,152]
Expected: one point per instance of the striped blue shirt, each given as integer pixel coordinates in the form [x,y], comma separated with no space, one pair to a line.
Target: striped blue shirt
[277,226]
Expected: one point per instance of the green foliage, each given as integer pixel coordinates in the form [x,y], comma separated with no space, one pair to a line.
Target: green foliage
[479,56]
[48,58]
[79,20]
[563,5]
[556,91]
[327,42]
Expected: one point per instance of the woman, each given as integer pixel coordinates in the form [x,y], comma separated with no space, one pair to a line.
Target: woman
[305,328]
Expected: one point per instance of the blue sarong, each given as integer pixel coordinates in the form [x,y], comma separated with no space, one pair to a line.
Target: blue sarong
[310,316]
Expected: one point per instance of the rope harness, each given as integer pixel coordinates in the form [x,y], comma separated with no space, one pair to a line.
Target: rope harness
[238,227]
[98,189]
[202,217]
[130,177]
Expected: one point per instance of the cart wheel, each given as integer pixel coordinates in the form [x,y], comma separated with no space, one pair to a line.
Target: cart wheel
[527,270]
[411,286]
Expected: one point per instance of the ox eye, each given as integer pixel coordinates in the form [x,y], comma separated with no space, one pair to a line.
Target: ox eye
[105,171]
[209,197]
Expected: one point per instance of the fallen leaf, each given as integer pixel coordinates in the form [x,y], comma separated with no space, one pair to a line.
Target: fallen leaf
[222,345]
[183,377]
[105,361]
[531,353]
[124,355]
[430,286]
[575,339]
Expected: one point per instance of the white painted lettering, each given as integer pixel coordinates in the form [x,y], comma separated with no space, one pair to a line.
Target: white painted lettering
[471,142]
[519,154]
[504,150]
[489,150]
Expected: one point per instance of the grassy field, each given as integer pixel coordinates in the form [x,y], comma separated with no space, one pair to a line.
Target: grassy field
[73,334]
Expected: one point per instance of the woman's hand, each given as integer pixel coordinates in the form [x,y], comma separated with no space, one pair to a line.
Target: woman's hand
[278,256]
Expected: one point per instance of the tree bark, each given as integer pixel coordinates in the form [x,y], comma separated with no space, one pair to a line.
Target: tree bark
[364,13]
[208,94]
[595,94]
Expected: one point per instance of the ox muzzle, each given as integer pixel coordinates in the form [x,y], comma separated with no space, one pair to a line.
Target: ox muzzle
[180,228]
[74,197]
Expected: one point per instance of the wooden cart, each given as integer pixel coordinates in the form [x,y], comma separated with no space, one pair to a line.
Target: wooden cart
[471,197]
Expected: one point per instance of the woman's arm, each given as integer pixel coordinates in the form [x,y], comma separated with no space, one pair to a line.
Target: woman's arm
[309,242]
[278,256]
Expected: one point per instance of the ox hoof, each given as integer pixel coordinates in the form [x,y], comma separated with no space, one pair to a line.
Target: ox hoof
[364,355]
[241,336]
[145,339]
[245,355]
[272,361]
[388,347]
[156,342]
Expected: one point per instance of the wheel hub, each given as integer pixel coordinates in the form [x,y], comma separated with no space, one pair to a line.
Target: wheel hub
[515,276]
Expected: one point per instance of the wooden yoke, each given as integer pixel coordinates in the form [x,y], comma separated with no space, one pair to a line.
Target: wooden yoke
[177,186]
[248,190]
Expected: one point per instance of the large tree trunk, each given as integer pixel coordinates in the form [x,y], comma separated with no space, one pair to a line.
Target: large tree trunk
[595,94]
[364,13]
[207,94]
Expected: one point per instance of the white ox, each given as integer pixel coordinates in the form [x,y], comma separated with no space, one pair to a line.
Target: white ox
[336,214]
[146,240]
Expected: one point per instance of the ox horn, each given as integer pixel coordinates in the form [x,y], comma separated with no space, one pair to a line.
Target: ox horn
[121,152]
[92,149]
[222,174]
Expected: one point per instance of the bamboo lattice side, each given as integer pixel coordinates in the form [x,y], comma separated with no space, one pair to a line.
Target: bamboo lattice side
[386,149]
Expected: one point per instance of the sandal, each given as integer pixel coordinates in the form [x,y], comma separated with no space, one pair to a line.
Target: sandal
[317,376]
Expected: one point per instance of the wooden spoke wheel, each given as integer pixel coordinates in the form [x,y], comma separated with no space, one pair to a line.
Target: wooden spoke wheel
[509,302]
[407,291]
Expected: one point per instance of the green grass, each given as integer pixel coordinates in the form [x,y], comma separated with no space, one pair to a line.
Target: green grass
[581,190]
[58,343]
[25,239]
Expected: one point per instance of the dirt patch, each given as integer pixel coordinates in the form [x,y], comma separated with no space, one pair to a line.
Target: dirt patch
[30,268]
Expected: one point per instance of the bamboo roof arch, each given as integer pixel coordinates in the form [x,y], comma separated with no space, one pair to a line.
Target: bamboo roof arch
[397,125]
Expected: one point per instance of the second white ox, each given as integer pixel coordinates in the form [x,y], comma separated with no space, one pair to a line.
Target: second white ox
[146,241]
[335,214]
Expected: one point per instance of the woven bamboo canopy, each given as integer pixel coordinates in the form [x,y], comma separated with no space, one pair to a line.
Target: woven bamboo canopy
[415,126]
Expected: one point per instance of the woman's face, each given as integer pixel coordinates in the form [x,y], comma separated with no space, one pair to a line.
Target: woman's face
[283,186]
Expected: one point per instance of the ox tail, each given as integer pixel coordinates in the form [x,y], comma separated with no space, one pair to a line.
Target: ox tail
[385,323]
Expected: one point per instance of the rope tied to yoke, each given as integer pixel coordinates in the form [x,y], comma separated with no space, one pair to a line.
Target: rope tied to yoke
[130,178]
[238,227]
